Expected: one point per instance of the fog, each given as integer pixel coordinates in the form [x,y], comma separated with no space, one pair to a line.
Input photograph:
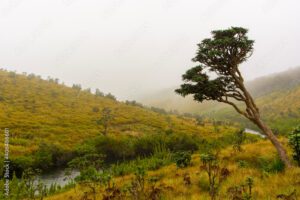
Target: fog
[133,47]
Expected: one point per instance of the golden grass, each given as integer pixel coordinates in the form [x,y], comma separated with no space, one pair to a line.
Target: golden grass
[266,186]
[38,111]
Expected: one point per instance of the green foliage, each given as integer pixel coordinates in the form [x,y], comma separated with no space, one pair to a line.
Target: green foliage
[146,146]
[114,149]
[87,160]
[44,156]
[271,166]
[210,164]
[242,163]
[106,151]
[159,159]
[106,119]
[21,163]
[182,142]
[88,174]
[89,177]
[216,174]
[294,142]
[182,159]
[239,139]
[124,148]
[214,55]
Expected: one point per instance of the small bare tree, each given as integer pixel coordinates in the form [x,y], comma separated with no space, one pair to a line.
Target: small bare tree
[105,119]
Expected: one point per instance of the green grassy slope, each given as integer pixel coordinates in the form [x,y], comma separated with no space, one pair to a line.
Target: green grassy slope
[37,111]
[281,110]
[277,95]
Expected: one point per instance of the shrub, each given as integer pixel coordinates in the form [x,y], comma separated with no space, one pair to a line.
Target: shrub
[154,162]
[88,160]
[21,163]
[239,139]
[88,174]
[182,142]
[43,157]
[106,119]
[271,166]
[114,149]
[242,191]
[294,142]
[145,146]
[216,174]
[90,178]
[182,159]
[242,163]
[50,155]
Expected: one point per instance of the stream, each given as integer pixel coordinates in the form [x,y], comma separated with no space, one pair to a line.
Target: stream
[253,132]
[58,176]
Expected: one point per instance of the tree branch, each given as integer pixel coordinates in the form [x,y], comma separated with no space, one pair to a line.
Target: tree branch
[236,108]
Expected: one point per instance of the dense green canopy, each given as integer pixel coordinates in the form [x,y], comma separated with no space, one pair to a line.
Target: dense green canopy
[220,54]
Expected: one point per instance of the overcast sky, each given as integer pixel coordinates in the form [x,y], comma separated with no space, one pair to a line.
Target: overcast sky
[131,47]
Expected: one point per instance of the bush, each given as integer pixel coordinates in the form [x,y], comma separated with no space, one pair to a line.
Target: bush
[88,174]
[242,163]
[239,139]
[50,155]
[114,149]
[43,157]
[271,166]
[294,142]
[156,161]
[145,146]
[182,142]
[182,159]
[21,163]
[216,174]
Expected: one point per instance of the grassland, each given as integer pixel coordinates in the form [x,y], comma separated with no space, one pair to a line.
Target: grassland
[51,124]
[267,183]
[43,113]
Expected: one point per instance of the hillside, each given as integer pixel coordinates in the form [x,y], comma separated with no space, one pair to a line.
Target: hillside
[278,96]
[53,126]
[280,109]
[192,182]
[42,111]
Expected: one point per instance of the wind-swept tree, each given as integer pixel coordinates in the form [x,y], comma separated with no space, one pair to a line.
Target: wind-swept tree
[221,55]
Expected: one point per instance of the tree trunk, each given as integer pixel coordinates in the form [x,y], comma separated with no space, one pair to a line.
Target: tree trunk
[269,133]
[254,115]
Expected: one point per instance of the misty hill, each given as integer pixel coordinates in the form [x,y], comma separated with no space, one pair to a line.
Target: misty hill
[41,111]
[278,95]
[275,82]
